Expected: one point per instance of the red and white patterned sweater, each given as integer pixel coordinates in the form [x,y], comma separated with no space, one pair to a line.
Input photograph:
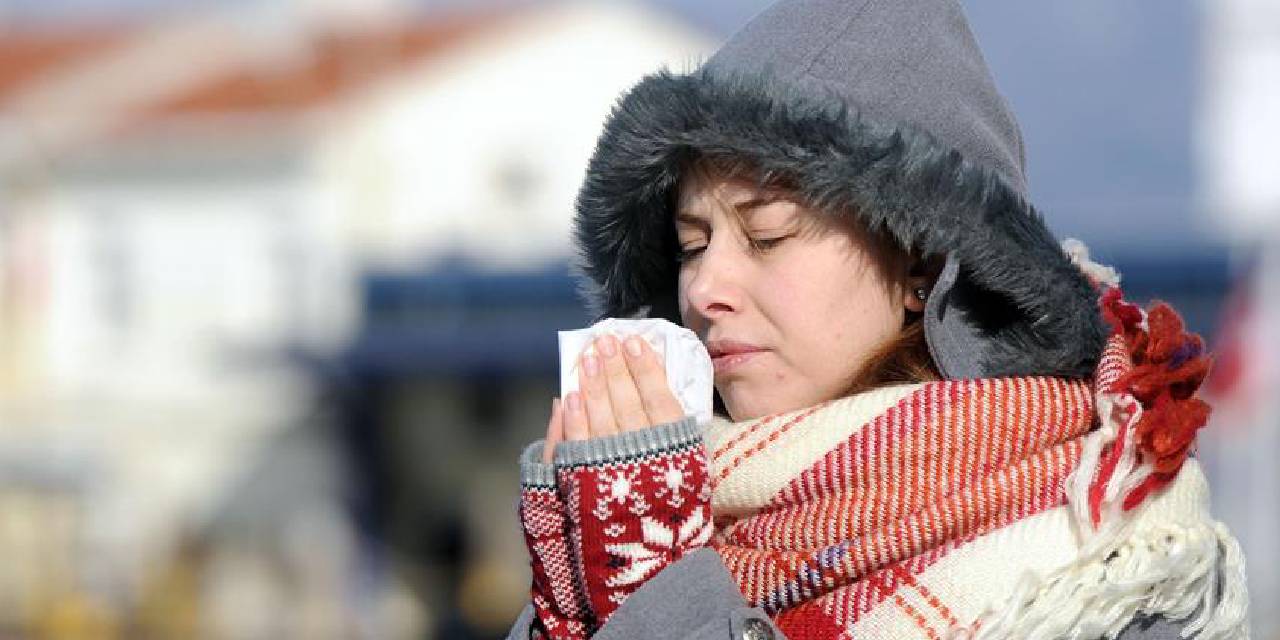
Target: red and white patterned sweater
[606,516]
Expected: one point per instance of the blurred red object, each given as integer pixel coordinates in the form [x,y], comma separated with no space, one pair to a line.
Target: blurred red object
[1242,371]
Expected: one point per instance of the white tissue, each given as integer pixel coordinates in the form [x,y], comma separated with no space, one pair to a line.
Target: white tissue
[688,364]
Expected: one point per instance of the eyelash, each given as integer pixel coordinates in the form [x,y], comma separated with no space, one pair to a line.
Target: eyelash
[759,244]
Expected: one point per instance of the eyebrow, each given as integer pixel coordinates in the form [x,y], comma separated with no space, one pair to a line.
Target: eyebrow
[743,208]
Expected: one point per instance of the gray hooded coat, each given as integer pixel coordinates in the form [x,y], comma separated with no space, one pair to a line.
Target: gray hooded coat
[882,109]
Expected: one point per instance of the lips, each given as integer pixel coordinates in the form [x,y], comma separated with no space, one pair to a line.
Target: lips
[718,348]
[727,355]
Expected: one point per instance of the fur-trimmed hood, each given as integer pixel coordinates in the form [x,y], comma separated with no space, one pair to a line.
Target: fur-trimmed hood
[881,108]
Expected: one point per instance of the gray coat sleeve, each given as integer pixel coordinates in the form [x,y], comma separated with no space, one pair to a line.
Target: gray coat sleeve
[696,596]
[1151,628]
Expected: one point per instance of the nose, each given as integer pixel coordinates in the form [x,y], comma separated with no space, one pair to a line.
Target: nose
[713,284]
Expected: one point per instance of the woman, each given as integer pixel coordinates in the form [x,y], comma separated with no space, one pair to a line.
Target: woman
[935,421]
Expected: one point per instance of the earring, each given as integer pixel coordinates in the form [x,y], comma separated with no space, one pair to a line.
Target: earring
[921,294]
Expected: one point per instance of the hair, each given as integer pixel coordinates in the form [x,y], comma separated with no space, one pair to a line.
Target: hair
[904,358]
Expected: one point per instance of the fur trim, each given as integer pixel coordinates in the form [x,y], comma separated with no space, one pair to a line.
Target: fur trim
[1037,308]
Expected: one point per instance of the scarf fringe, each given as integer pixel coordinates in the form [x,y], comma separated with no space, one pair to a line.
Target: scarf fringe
[1191,574]
[1098,274]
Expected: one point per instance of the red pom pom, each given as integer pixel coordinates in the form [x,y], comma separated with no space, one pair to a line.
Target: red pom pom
[1169,365]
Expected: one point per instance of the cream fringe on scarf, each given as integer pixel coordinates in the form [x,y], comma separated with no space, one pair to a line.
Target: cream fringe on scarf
[1167,557]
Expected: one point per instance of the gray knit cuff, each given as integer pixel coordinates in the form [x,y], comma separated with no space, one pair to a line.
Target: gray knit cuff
[629,445]
[533,471]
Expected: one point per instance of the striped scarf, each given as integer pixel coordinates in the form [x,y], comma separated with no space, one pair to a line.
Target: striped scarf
[1005,507]
[820,513]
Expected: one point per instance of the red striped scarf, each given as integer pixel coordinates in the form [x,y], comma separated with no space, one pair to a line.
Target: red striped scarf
[947,462]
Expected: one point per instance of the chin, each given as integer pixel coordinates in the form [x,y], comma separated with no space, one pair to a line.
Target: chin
[747,399]
[755,407]
[748,409]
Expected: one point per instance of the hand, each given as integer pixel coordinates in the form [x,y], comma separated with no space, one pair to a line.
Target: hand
[623,386]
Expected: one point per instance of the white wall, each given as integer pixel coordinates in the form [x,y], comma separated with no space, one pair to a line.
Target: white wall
[154,356]
[482,152]
[1237,127]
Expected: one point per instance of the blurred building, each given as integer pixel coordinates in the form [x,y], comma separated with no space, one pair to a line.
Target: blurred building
[199,217]
[1238,132]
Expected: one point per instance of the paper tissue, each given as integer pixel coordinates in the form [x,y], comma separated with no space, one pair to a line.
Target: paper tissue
[687,362]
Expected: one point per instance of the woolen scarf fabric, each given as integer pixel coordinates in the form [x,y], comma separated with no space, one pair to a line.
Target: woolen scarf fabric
[958,507]
[815,507]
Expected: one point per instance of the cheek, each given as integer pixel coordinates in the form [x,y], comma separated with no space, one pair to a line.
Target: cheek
[839,304]
[868,312]
[682,300]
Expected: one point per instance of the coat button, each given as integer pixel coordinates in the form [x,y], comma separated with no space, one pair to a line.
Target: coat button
[756,629]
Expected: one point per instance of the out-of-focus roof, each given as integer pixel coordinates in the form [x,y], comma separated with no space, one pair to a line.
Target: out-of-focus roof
[28,54]
[335,62]
[65,86]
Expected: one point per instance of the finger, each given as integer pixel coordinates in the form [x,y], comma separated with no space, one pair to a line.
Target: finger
[595,397]
[628,411]
[575,418]
[650,376]
[555,430]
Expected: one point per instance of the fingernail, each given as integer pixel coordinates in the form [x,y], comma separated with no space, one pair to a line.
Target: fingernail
[634,346]
[608,346]
[555,404]
[574,401]
[591,365]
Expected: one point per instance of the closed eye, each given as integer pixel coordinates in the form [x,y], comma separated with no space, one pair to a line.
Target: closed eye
[765,244]
[759,245]
[687,254]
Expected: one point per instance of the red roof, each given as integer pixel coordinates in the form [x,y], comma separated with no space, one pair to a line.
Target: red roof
[338,62]
[28,54]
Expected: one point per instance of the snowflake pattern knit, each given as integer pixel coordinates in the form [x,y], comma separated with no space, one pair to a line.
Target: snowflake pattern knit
[630,505]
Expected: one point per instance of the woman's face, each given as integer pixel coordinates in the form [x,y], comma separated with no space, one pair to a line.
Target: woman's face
[789,321]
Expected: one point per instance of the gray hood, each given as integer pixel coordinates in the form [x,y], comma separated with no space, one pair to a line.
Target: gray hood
[883,109]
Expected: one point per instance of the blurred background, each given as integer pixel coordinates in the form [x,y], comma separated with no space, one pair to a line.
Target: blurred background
[280,280]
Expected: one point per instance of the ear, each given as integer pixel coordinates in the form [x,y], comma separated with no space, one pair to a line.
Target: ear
[911,297]
[920,278]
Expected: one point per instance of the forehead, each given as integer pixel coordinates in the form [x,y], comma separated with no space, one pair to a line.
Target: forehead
[699,185]
[703,193]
